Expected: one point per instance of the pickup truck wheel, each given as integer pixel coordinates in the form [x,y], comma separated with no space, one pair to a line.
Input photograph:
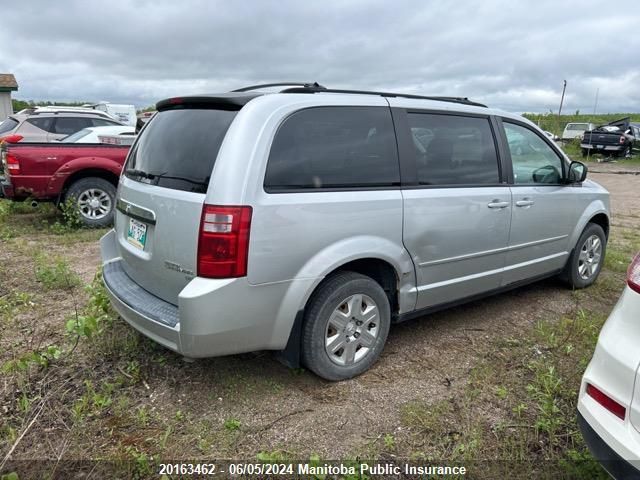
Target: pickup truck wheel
[346,325]
[585,152]
[585,263]
[94,199]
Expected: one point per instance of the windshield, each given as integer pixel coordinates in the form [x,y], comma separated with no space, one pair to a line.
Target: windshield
[178,148]
[577,126]
[76,136]
[8,124]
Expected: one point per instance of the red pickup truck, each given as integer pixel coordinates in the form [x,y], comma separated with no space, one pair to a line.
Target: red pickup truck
[56,172]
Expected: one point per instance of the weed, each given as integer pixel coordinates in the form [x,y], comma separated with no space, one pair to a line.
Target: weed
[41,358]
[71,218]
[92,402]
[96,316]
[502,392]
[232,424]
[389,442]
[142,467]
[54,273]
[274,456]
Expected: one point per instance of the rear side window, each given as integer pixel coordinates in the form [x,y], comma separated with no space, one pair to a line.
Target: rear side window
[69,125]
[8,124]
[453,150]
[43,123]
[99,122]
[334,147]
[179,148]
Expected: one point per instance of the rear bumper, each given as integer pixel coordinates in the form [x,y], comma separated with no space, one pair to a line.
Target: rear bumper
[603,148]
[613,463]
[213,317]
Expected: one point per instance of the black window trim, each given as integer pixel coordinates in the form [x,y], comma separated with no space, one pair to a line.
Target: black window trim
[408,167]
[544,138]
[285,190]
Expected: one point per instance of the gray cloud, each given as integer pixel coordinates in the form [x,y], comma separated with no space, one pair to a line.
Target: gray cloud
[510,55]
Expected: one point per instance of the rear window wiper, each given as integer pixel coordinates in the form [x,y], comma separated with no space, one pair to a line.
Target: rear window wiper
[139,173]
[204,182]
[153,176]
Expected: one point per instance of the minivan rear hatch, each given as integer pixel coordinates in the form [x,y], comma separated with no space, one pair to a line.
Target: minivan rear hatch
[162,191]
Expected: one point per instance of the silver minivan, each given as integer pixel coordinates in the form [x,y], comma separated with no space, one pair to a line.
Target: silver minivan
[309,220]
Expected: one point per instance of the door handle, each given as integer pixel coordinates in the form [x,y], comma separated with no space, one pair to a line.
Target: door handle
[497,204]
[524,203]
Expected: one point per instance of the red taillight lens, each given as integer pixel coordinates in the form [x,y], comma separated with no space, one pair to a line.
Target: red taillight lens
[13,165]
[223,244]
[633,274]
[12,138]
[622,139]
[606,401]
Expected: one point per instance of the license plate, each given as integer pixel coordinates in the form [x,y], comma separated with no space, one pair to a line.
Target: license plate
[137,233]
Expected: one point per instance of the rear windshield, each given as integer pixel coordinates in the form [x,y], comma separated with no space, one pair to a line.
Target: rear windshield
[178,148]
[8,125]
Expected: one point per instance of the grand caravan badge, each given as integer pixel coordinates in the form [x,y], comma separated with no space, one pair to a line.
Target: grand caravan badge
[178,268]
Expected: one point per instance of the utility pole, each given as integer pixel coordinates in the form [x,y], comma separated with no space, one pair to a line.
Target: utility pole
[595,105]
[562,99]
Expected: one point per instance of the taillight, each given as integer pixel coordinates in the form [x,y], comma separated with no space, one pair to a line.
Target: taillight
[223,243]
[13,165]
[622,139]
[15,138]
[633,274]
[606,401]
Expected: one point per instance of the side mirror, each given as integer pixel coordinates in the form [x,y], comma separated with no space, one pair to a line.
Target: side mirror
[577,172]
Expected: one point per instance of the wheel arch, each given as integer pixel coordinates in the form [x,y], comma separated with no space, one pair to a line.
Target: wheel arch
[596,212]
[87,173]
[397,279]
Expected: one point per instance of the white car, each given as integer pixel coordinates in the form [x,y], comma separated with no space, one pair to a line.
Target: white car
[609,399]
[93,134]
[576,130]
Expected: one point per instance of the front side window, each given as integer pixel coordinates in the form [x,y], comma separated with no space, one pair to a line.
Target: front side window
[453,150]
[534,162]
[334,147]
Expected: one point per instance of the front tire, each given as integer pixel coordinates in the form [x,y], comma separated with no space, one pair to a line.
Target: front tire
[587,258]
[94,200]
[345,327]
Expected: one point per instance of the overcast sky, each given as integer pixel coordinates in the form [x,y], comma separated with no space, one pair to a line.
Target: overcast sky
[512,55]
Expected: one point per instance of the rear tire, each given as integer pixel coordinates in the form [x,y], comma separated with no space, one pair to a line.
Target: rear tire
[94,199]
[586,260]
[345,326]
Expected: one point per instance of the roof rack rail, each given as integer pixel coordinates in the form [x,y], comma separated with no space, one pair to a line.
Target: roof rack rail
[313,89]
[315,85]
